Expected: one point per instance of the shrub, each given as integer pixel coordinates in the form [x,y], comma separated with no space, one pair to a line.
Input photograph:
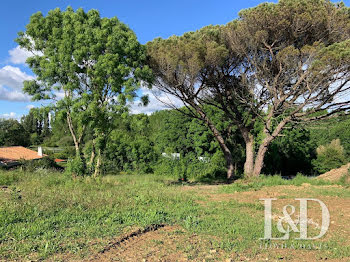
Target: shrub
[44,163]
[329,157]
[189,167]
[76,166]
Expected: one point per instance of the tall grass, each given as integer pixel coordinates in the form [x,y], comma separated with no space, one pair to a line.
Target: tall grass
[276,180]
[45,214]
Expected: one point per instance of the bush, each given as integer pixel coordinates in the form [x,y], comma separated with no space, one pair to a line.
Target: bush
[44,163]
[189,167]
[76,166]
[329,157]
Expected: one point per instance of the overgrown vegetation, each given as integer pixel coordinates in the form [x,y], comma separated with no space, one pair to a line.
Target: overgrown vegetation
[329,156]
[48,215]
[250,88]
[138,141]
[252,91]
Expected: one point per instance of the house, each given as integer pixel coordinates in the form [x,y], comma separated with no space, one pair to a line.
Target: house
[11,156]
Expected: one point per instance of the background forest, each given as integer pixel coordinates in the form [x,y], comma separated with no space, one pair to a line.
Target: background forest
[137,142]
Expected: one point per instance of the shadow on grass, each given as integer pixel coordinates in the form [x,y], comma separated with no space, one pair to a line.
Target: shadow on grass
[202,181]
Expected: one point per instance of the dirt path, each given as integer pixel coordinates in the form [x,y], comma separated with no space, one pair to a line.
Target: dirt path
[173,243]
[156,244]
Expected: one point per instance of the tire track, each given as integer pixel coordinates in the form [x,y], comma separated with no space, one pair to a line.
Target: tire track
[125,242]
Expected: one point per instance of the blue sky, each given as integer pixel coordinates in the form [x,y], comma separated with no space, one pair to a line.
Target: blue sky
[149,19]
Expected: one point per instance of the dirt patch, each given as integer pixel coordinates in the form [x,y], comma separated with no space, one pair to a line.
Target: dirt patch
[167,243]
[273,254]
[173,243]
[335,174]
[132,235]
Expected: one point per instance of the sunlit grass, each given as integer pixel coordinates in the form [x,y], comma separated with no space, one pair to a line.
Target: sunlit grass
[45,214]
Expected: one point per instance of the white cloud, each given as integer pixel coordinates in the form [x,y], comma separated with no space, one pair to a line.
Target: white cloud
[19,55]
[13,95]
[11,84]
[13,77]
[30,106]
[9,115]
[157,101]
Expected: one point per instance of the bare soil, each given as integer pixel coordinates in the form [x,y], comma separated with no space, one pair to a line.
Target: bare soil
[335,174]
[166,243]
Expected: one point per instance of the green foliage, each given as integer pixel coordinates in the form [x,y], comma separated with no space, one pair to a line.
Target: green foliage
[138,141]
[190,168]
[281,47]
[76,166]
[290,153]
[43,163]
[12,133]
[269,181]
[98,64]
[329,157]
[9,178]
[174,132]
[46,214]
[324,132]
[68,152]
[36,125]
[130,147]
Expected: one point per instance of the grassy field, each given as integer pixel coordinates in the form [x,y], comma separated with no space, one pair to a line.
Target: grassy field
[50,216]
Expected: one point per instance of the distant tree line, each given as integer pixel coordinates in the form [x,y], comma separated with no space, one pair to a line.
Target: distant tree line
[137,142]
[32,129]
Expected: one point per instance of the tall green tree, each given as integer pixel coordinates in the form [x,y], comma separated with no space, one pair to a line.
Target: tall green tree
[95,63]
[277,64]
[12,133]
[37,124]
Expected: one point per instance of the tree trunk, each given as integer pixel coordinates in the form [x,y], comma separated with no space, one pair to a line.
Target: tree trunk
[230,166]
[259,161]
[249,158]
[98,164]
[249,152]
[71,129]
[92,158]
[227,153]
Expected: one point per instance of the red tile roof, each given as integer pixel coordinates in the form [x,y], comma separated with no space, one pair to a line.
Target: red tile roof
[14,153]
[57,160]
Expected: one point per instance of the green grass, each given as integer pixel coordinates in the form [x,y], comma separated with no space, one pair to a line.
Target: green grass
[268,181]
[44,214]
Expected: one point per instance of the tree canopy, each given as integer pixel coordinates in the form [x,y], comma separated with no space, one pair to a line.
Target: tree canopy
[93,64]
[276,65]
